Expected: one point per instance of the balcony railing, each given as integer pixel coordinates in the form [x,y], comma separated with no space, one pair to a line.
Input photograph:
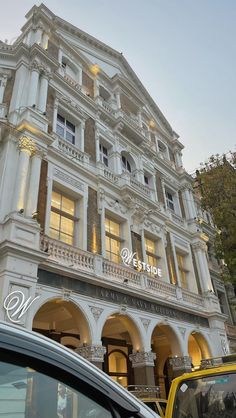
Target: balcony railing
[71,257]
[71,151]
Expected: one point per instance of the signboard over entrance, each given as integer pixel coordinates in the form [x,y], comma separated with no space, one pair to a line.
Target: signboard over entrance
[129,259]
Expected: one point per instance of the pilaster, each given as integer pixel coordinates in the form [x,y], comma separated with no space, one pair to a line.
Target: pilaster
[143,365]
[180,365]
[93,353]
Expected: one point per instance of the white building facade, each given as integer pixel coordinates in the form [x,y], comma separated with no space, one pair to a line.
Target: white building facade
[99,244]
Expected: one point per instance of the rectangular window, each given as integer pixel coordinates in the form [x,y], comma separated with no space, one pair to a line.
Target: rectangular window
[65,129]
[103,154]
[170,200]
[152,257]
[182,270]
[62,218]
[113,240]
[146,180]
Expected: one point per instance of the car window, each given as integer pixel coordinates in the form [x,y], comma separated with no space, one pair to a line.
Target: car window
[27,393]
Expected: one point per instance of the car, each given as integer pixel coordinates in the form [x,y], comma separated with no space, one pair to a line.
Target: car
[41,378]
[156,404]
[150,395]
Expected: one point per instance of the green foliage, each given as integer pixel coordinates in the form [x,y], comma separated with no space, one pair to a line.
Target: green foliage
[217,184]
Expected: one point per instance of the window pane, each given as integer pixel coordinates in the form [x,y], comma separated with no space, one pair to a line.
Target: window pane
[114,228]
[107,224]
[67,226]
[56,200]
[115,246]
[70,138]
[66,238]
[117,362]
[54,234]
[150,246]
[68,205]
[26,393]
[60,131]
[55,220]
[70,126]
[60,118]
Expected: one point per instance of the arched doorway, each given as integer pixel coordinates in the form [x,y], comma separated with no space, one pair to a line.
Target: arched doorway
[63,322]
[198,349]
[165,344]
[120,336]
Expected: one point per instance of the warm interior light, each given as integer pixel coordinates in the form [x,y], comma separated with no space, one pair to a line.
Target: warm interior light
[152,124]
[95,69]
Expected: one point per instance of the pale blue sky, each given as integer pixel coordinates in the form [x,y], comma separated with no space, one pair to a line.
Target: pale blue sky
[183,51]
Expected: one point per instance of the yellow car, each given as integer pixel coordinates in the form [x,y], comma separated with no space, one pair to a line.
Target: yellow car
[156,404]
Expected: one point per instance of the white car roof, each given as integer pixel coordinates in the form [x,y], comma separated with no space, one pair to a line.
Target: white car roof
[28,342]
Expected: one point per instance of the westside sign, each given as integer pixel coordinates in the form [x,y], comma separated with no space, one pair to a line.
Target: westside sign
[129,259]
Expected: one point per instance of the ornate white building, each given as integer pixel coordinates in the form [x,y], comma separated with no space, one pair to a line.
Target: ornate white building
[99,244]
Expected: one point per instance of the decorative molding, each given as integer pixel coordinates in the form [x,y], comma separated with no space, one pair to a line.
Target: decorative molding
[181,363]
[66,294]
[92,352]
[96,312]
[119,298]
[68,179]
[196,246]
[146,322]
[26,144]
[224,346]
[182,331]
[142,359]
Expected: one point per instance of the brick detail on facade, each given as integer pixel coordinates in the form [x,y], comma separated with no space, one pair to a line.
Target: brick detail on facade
[42,199]
[88,83]
[93,223]
[137,245]
[160,194]
[89,139]
[50,106]
[181,204]
[170,260]
[53,49]
[8,89]
[196,270]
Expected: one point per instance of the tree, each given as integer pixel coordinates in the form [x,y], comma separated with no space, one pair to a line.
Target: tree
[216,183]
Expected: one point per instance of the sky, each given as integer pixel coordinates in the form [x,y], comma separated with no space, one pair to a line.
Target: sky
[183,51]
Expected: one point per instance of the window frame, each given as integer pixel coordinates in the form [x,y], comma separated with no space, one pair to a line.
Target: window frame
[183,272]
[65,128]
[114,237]
[103,157]
[64,214]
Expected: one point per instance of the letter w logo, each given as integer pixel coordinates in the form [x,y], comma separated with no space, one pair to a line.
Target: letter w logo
[16,305]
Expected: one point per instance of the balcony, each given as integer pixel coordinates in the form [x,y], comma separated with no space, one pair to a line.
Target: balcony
[69,150]
[61,255]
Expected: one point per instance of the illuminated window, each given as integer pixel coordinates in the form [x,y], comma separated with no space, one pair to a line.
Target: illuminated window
[150,247]
[182,270]
[113,240]
[65,129]
[103,154]
[117,367]
[62,218]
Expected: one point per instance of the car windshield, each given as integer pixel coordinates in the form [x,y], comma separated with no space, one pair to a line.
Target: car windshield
[207,397]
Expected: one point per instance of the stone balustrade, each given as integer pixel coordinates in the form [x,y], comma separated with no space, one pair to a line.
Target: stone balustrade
[76,259]
[70,150]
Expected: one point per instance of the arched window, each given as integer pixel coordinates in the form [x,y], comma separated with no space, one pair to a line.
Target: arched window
[126,164]
[117,367]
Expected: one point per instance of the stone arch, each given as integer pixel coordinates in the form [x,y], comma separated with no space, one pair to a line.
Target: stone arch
[120,334]
[165,343]
[198,348]
[62,320]
[128,163]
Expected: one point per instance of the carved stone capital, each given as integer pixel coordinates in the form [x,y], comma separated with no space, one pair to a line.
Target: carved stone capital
[26,144]
[199,246]
[142,358]
[181,363]
[92,352]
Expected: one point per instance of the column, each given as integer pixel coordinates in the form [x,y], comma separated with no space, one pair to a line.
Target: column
[26,146]
[3,82]
[180,365]
[187,203]
[33,189]
[118,100]
[140,118]
[178,158]
[143,365]
[43,92]
[81,128]
[93,353]
[199,249]
[96,88]
[33,86]
[55,110]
